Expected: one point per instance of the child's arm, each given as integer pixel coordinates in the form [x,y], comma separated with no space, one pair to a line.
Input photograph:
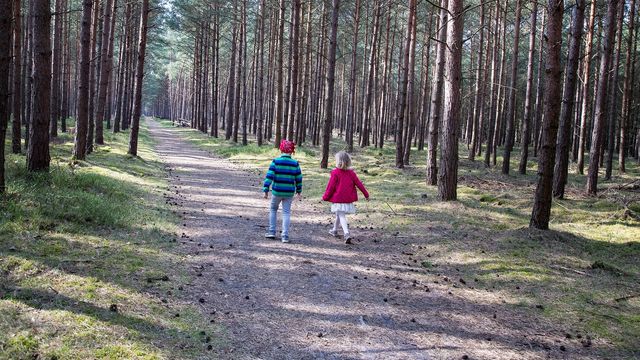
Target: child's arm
[360,185]
[298,180]
[271,174]
[331,188]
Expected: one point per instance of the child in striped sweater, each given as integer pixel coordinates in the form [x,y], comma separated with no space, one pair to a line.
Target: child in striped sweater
[285,179]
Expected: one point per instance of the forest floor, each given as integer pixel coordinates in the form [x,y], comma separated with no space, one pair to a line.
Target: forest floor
[162,256]
[423,279]
[89,262]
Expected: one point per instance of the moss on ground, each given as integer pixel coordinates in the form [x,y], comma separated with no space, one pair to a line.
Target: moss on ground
[89,267]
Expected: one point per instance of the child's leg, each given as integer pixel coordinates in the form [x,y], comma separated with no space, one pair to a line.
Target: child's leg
[273,213]
[336,223]
[286,216]
[342,219]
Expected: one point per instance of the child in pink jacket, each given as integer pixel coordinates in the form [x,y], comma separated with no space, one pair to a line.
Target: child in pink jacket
[341,192]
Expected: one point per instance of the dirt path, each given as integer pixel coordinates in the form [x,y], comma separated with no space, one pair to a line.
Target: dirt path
[317,298]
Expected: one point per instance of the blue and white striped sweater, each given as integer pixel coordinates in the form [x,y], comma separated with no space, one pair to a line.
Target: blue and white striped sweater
[284,177]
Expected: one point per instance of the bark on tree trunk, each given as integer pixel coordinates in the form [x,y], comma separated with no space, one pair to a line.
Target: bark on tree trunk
[55,71]
[586,66]
[352,79]
[448,175]
[402,92]
[472,128]
[38,152]
[601,99]
[5,63]
[627,90]
[279,110]
[560,172]
[331,77]
[16,145]
[495,89]
[137,99]
[436,97]
[526,121]
[553,92]
[613,93]
[82,118]
[511,99]
[105,69]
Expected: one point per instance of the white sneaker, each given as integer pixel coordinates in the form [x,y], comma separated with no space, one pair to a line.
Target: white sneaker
[285,239]
[333,233]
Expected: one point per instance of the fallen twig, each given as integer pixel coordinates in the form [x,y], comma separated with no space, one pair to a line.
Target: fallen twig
[558,267]
[394,212]
[628,297]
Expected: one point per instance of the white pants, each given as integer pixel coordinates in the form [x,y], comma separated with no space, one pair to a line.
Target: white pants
[341,219]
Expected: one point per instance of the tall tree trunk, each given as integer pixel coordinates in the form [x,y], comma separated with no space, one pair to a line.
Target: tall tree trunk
[295,68]
[5,63]
[402,91]
[494,88]
[526,121]
[561,170]
[105,69]
[627,90]
[537,113]
[232,84]
[352,79]
[137,92]
[511,96]
[366,116]
[260,74]
[601,98]
[279,110]
[38,157]
[586,67]
[553,93]
[16,129]
[82,119]
[613,94]
[55,70]
[436,97]
[472,128]
[448,175]
[331,77]
[384,89]
[95,28]
[411,106]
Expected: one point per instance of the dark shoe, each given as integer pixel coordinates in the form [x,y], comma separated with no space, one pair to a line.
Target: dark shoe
[347,239]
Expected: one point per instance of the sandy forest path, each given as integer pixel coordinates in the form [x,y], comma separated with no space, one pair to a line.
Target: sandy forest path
[317,298]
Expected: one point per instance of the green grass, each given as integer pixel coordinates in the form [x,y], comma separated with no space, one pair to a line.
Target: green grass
[82,238]
[485,236]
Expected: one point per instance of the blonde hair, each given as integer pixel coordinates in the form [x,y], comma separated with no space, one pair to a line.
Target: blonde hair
[343,160]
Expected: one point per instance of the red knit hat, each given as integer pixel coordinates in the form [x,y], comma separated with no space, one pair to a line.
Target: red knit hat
[287,147]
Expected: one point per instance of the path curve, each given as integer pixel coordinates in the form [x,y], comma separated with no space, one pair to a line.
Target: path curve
[317,298]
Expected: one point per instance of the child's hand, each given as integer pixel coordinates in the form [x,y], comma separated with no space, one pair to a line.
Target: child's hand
[367,199]
[266,195]
[299,196]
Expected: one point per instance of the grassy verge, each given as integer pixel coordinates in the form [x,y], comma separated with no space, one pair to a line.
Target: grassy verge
[571,275]
[89,267]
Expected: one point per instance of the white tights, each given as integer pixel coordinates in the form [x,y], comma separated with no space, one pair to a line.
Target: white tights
[341,219]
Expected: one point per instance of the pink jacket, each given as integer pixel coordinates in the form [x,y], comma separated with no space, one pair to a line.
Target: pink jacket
[341,188]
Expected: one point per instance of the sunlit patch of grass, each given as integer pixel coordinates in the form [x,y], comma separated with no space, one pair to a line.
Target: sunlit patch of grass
[88,267]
